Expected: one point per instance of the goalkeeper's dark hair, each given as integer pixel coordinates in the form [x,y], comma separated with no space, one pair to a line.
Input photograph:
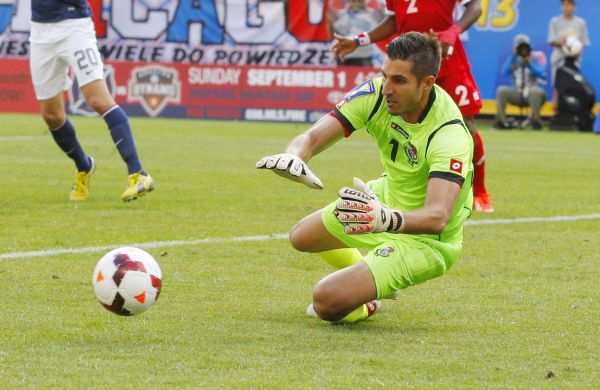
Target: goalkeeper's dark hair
[422,50]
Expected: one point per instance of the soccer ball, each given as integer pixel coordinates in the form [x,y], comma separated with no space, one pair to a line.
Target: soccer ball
[572,47]
[127,281]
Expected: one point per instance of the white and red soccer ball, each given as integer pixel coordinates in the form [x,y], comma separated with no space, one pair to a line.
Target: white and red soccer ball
[572,47]
[127,281]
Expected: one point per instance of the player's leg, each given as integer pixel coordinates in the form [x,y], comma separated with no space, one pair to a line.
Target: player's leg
[346,295]
[481,198]
[98,96]
[341,258]
[463,89]
[537,97]
[352,294]
[49,77]
[63,132]
[321,231]
[139,182]
[86,63]
[504,95]
[311,235]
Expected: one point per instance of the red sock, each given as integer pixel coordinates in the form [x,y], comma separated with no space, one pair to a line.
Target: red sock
[479,166]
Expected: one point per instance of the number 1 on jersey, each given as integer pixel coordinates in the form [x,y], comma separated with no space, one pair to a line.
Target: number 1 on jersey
[395,145]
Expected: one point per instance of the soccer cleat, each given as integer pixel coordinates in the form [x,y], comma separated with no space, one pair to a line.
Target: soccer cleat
[372,308]
[310,311]
[80,190]
[483,203]
[537,125]
[502,125]
[137,185]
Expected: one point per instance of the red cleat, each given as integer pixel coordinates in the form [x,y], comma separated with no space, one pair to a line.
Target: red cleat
[483,204]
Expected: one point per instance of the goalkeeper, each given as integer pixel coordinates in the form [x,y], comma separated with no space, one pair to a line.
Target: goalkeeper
[410,220]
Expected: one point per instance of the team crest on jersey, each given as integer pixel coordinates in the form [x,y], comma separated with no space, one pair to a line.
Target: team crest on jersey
[366,88]
[384,252]
[400,130]
[456,165]
[154,87]
[411,153]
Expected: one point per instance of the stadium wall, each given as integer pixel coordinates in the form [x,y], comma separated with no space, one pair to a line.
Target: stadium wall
[238,59]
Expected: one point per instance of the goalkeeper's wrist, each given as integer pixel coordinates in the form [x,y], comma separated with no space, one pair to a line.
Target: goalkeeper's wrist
[362,39]
[398,221]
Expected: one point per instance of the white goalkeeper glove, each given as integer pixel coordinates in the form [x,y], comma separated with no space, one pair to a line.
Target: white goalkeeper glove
[361,212]
[291,167]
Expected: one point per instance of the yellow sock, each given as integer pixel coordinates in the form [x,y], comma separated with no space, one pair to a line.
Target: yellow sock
[341,258]
[358,314]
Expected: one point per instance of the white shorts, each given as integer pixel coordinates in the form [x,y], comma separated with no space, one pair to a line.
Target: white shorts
[56,47]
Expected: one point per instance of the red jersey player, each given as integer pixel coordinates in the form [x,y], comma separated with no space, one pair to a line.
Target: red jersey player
[436,17]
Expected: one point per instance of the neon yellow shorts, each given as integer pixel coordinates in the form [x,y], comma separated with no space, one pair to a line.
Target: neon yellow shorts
[396,261]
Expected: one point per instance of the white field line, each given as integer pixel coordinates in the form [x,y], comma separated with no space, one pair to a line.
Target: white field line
[154,244]
[164,244]
[558,218]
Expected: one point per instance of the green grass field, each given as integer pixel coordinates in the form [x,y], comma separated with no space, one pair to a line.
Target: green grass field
[520,309]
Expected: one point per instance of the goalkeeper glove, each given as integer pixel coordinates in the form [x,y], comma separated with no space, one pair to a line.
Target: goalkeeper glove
[291,167]
[362,212]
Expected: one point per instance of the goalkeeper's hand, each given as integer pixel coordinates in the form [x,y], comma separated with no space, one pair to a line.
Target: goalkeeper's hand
[361,212]
[291,167]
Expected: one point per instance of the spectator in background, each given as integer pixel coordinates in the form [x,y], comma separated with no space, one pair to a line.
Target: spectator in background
[354,19]
[527,72]
[575,96]
[561,27]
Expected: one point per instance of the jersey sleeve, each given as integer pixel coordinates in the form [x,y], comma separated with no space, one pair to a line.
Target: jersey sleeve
[449,153]
[389,7]
[357,107]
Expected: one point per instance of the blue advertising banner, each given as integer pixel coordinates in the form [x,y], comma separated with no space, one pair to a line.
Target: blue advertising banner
[490,40]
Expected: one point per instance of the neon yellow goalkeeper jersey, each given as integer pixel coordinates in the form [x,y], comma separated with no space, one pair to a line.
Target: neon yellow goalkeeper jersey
[439,145]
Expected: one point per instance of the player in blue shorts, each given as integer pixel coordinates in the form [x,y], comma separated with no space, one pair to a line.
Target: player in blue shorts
[63,37]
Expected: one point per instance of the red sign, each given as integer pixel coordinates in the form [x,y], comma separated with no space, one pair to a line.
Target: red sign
[297,94]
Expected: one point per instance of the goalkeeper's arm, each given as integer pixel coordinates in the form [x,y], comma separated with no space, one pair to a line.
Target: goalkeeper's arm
[324,133]
[434,215]
[292,164]
[362,212]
